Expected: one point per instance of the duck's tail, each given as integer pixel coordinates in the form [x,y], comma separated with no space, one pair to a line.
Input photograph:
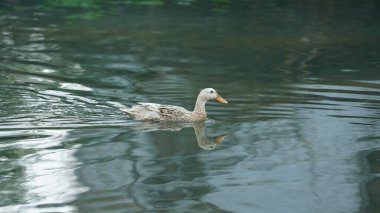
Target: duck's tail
[120,106]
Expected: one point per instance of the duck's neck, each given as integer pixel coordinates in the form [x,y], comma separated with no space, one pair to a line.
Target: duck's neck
[199,108]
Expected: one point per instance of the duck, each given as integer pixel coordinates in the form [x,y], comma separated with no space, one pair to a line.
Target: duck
[159,112]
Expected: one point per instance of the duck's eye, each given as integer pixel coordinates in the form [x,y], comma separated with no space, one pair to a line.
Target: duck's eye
[212,91]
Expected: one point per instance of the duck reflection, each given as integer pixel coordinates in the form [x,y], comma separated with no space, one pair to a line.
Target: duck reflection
[204,142]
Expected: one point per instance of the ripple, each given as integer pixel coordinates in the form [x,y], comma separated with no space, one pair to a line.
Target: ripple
[341,93]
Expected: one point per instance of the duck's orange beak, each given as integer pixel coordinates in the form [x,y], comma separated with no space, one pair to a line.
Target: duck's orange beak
[221,100]
[219,139]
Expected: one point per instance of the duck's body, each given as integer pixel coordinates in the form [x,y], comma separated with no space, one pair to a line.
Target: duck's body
[159,112]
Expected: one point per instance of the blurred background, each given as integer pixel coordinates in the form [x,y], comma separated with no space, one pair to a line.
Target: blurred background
[300,132]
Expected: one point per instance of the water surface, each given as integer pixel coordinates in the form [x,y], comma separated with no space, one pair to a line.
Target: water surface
[300,132]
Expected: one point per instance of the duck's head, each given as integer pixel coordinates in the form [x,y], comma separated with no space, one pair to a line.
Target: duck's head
[211,94]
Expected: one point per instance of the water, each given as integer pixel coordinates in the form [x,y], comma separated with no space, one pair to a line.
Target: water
[300,132]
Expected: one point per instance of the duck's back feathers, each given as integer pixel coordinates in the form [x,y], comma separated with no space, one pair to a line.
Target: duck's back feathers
[157,112]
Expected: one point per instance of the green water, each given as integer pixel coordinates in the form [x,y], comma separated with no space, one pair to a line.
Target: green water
[301,132]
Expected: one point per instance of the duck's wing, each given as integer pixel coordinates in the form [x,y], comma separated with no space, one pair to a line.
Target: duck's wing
[166,112]
[144,111]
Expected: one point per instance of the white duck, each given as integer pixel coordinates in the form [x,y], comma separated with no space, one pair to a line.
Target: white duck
[159,112]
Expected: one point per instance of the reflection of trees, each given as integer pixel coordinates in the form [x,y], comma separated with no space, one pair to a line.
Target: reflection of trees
[12,175]
[372,186]
[93,9]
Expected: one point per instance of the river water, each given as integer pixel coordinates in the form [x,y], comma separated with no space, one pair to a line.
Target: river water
[301,132]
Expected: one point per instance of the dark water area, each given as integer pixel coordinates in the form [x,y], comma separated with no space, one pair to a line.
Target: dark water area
[301,131]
